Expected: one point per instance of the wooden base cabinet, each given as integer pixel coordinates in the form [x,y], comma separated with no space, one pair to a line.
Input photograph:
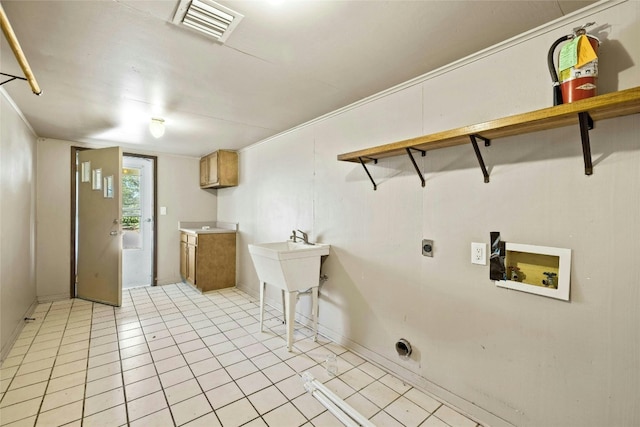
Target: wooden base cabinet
[208,260]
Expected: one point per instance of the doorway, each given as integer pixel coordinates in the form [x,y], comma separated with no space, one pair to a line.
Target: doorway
[139,229]
[137,221]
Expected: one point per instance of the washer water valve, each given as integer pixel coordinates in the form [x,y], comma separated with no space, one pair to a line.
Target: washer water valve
[550,280]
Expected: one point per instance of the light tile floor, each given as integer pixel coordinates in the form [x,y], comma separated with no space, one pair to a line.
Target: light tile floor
[171,356]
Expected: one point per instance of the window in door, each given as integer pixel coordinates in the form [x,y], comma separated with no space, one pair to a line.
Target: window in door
[131,211]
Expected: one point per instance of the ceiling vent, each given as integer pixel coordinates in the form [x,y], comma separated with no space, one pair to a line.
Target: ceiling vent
[208,18]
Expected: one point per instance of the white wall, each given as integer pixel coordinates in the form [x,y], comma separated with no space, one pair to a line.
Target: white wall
[503,356]
[17,222]
[178,191]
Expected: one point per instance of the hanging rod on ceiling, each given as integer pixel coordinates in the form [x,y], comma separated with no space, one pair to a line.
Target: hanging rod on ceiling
[17,51]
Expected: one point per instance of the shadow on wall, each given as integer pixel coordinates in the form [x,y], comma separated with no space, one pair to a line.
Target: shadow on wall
[333,297]
[361,321]
[613,59]
[551,144]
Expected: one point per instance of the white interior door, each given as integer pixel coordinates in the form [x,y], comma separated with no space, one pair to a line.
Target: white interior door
[99,259]
[137,221]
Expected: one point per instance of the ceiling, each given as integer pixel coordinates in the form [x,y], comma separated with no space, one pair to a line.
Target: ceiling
[107,67]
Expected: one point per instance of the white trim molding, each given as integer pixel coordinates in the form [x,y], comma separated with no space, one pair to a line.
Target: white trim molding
[18,111]
[551,26]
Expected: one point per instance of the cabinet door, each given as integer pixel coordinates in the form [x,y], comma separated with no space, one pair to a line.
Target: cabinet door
[212,168]
[216,261]
[191,264]
[204,171]
[219,169]
[227,168]
[183,259]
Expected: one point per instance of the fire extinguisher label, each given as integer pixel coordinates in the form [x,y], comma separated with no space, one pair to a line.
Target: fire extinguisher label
[589,70]
[586,53]
[586,86]
[568,55]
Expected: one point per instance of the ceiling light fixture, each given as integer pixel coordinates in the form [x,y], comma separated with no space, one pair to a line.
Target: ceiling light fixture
[156,127]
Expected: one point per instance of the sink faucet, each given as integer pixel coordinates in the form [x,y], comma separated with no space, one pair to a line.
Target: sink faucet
[304,237]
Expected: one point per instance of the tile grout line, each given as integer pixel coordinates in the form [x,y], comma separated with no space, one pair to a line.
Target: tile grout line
[124,388]
[113,312]
[54,361]
[198,311]
[13,377]
[86,372]
[159,379]
[154,367]
[273,384]
[188,364]
[302,352]
[223,366]
[234,380]
[356,391]
[381,409]
[213,355]
[237,349]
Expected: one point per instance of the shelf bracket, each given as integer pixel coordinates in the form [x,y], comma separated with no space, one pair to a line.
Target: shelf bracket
[487,143]
[375,161]
[586,124]
[11,79]
[415,165]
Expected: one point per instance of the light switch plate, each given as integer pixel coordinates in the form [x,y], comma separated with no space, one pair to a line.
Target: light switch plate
[163,210]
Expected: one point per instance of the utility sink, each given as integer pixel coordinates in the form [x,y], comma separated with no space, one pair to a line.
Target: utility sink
[293,268]
[287,265]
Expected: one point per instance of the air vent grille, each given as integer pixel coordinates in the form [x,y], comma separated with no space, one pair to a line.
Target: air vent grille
[207,17]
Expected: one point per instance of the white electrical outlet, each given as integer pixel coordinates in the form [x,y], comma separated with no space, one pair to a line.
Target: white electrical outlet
[479,253]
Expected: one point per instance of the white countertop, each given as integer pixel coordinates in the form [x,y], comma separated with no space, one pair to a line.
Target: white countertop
[207,227]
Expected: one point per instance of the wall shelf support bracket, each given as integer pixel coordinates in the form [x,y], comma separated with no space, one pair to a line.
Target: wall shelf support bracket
[11,79]
[415,165]
[487,143]
[586,124]
[375,187]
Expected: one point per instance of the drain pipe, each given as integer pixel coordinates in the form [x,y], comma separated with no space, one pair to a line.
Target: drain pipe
[323,279]
[338,407]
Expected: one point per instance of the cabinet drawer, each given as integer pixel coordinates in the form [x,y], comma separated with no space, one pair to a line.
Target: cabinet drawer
[190,239]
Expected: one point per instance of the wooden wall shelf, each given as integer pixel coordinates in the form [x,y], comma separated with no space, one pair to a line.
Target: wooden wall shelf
[582,113]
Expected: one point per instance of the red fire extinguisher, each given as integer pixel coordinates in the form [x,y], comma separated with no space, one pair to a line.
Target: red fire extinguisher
[577,81]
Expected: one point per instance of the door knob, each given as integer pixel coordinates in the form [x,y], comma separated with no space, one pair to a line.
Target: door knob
[113,233]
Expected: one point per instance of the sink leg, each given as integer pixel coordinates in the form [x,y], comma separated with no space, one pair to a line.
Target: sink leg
[262,285]
[314,311]
[284,309]
[290,315]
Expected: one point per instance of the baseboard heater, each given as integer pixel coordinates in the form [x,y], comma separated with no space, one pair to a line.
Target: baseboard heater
[338,407]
